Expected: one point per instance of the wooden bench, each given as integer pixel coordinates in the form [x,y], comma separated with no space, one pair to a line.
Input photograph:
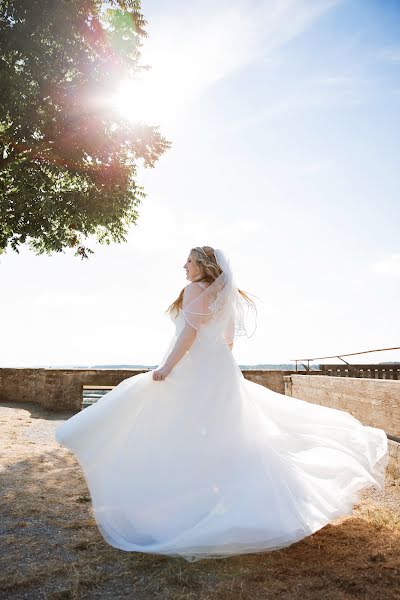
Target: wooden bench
[92,393]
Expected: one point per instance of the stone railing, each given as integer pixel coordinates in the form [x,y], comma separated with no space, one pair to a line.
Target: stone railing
[274,379]
[374,402]
[56,389]
[62,389]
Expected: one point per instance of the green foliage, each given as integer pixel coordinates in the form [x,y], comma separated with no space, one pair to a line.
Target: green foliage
[68,162]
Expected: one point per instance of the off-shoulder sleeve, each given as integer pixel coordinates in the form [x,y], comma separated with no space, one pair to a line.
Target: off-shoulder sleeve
[195,305]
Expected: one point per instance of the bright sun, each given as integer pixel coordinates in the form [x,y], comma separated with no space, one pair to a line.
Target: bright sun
[138,101]
[156,98]
[178,73]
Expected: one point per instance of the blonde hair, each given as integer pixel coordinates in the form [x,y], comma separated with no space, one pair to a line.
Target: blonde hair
[210,269]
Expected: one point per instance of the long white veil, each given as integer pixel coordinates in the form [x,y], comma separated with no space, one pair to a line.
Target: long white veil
[220,306]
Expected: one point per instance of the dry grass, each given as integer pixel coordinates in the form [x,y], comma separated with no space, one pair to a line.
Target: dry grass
[51,548]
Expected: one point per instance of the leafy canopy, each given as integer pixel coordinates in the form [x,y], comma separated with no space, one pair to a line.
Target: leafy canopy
[68,161]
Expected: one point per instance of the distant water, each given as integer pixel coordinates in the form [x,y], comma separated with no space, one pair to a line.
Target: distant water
[259,367]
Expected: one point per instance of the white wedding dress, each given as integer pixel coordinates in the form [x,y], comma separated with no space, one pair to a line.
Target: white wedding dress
[207,464]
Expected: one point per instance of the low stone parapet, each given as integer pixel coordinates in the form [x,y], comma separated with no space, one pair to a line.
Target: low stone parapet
[374,402]
[61,389]
[56,389]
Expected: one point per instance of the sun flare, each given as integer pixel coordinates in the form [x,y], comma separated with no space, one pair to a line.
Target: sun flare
[156,97]
[140,100]
[160,95]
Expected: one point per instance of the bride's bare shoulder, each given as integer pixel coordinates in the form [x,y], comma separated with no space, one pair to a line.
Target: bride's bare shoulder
[192,287]
[198,284]
[195,288]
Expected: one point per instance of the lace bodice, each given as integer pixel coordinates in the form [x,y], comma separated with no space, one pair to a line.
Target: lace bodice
[209,336]
[179,319]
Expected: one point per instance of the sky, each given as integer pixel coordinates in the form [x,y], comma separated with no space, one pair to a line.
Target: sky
[284,118]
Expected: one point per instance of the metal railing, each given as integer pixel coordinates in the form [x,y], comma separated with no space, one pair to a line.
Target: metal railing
[302,361]
[379,371]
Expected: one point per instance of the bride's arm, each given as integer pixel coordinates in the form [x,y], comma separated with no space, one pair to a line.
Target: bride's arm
[194,299]
[182,345]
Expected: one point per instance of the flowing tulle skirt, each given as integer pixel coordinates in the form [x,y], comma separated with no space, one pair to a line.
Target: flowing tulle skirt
[207,464]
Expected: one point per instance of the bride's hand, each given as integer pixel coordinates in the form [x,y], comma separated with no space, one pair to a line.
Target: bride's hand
[161,374]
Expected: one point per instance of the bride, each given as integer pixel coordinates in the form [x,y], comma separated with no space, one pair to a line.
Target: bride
[193,460]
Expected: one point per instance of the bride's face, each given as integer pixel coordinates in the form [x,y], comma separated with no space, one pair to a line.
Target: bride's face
[193,271]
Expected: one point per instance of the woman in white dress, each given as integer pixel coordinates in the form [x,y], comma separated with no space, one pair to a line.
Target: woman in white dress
[194,460]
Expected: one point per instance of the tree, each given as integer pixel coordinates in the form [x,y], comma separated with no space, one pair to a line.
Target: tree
[68,162]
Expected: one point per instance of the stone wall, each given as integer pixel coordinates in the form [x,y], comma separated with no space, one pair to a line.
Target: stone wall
[374,402]
[270,379]
[56,389]
[61,389]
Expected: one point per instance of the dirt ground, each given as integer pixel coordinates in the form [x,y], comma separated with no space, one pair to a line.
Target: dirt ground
[51,548]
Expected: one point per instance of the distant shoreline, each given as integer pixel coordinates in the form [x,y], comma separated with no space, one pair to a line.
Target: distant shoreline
[256,367]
